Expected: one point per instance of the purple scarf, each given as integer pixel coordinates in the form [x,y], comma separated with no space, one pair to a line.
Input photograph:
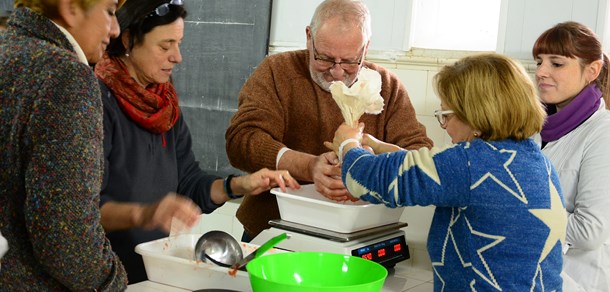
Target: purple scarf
[572,115]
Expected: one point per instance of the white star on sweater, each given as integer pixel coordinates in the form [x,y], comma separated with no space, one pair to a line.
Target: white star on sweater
[486,275]
[555,218]
[507,175]
[422,159]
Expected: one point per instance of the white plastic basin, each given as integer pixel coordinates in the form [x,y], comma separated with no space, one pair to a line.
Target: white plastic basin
[307,206]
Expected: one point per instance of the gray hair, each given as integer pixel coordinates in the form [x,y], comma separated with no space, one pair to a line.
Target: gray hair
[352,13]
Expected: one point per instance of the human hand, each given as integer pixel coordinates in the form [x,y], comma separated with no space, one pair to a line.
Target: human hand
[345,132]
[326,175]
[264,180]
[160,214]
[377,146]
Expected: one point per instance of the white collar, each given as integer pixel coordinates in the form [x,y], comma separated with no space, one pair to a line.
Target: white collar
[77,48]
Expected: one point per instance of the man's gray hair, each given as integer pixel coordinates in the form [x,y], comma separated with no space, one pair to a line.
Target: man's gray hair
[353,13]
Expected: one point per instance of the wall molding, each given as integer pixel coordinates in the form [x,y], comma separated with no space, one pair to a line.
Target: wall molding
[415,59]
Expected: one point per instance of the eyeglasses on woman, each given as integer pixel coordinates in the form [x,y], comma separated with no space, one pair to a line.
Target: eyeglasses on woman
[443,116]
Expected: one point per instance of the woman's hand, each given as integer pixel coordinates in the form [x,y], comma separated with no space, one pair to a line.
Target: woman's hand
[160,214]
[263,180]
[343,133]
[378,146]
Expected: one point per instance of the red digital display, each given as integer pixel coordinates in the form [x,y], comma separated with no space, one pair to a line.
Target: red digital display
[388,251]
[397,247]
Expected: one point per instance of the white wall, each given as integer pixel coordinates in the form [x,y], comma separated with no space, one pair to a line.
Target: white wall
[526,19]
[521,22]
[290,17]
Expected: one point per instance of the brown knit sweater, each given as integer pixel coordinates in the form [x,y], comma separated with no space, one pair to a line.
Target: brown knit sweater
[281,106]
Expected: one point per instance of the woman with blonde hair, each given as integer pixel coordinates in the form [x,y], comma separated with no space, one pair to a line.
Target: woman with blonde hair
[51,147]
[499,220]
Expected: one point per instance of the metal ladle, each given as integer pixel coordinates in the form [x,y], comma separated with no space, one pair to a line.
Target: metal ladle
[259,251]
[222,249]
[219,248]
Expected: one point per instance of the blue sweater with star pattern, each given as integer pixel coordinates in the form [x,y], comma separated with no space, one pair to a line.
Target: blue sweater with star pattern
[499,221]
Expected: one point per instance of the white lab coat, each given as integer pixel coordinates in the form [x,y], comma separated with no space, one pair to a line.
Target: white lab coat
[582,160]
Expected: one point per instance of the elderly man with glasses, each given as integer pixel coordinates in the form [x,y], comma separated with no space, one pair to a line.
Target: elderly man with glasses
[286,111]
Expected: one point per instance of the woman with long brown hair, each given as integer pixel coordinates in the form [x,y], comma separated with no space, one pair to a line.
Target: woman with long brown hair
[572,77]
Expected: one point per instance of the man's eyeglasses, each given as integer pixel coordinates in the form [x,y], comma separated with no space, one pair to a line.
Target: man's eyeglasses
[163,9]
[442,116]
[329,63]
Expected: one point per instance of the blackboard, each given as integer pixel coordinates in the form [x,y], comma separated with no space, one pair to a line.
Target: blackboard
[224,41]
[6,5]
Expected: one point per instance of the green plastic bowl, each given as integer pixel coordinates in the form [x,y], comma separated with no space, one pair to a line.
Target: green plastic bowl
[315,271]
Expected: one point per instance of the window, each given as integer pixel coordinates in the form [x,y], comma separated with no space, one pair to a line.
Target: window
[463,25]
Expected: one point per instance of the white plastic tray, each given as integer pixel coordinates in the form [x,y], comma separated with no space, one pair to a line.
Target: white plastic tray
[307,206]
[170,261]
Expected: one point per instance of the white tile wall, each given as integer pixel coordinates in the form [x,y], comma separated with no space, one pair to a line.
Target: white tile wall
[222,219]
[418,79]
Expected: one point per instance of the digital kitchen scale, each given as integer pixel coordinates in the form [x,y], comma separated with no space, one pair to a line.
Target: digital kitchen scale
[384,244]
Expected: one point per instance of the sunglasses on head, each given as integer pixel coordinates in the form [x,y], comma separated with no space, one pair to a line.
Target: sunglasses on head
[163,9]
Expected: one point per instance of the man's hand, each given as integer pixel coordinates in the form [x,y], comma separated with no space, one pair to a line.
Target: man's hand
[326,174]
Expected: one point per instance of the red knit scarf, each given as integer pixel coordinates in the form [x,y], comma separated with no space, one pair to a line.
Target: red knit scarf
[154,108]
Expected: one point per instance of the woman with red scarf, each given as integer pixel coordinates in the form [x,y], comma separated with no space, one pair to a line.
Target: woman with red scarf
[151,174]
